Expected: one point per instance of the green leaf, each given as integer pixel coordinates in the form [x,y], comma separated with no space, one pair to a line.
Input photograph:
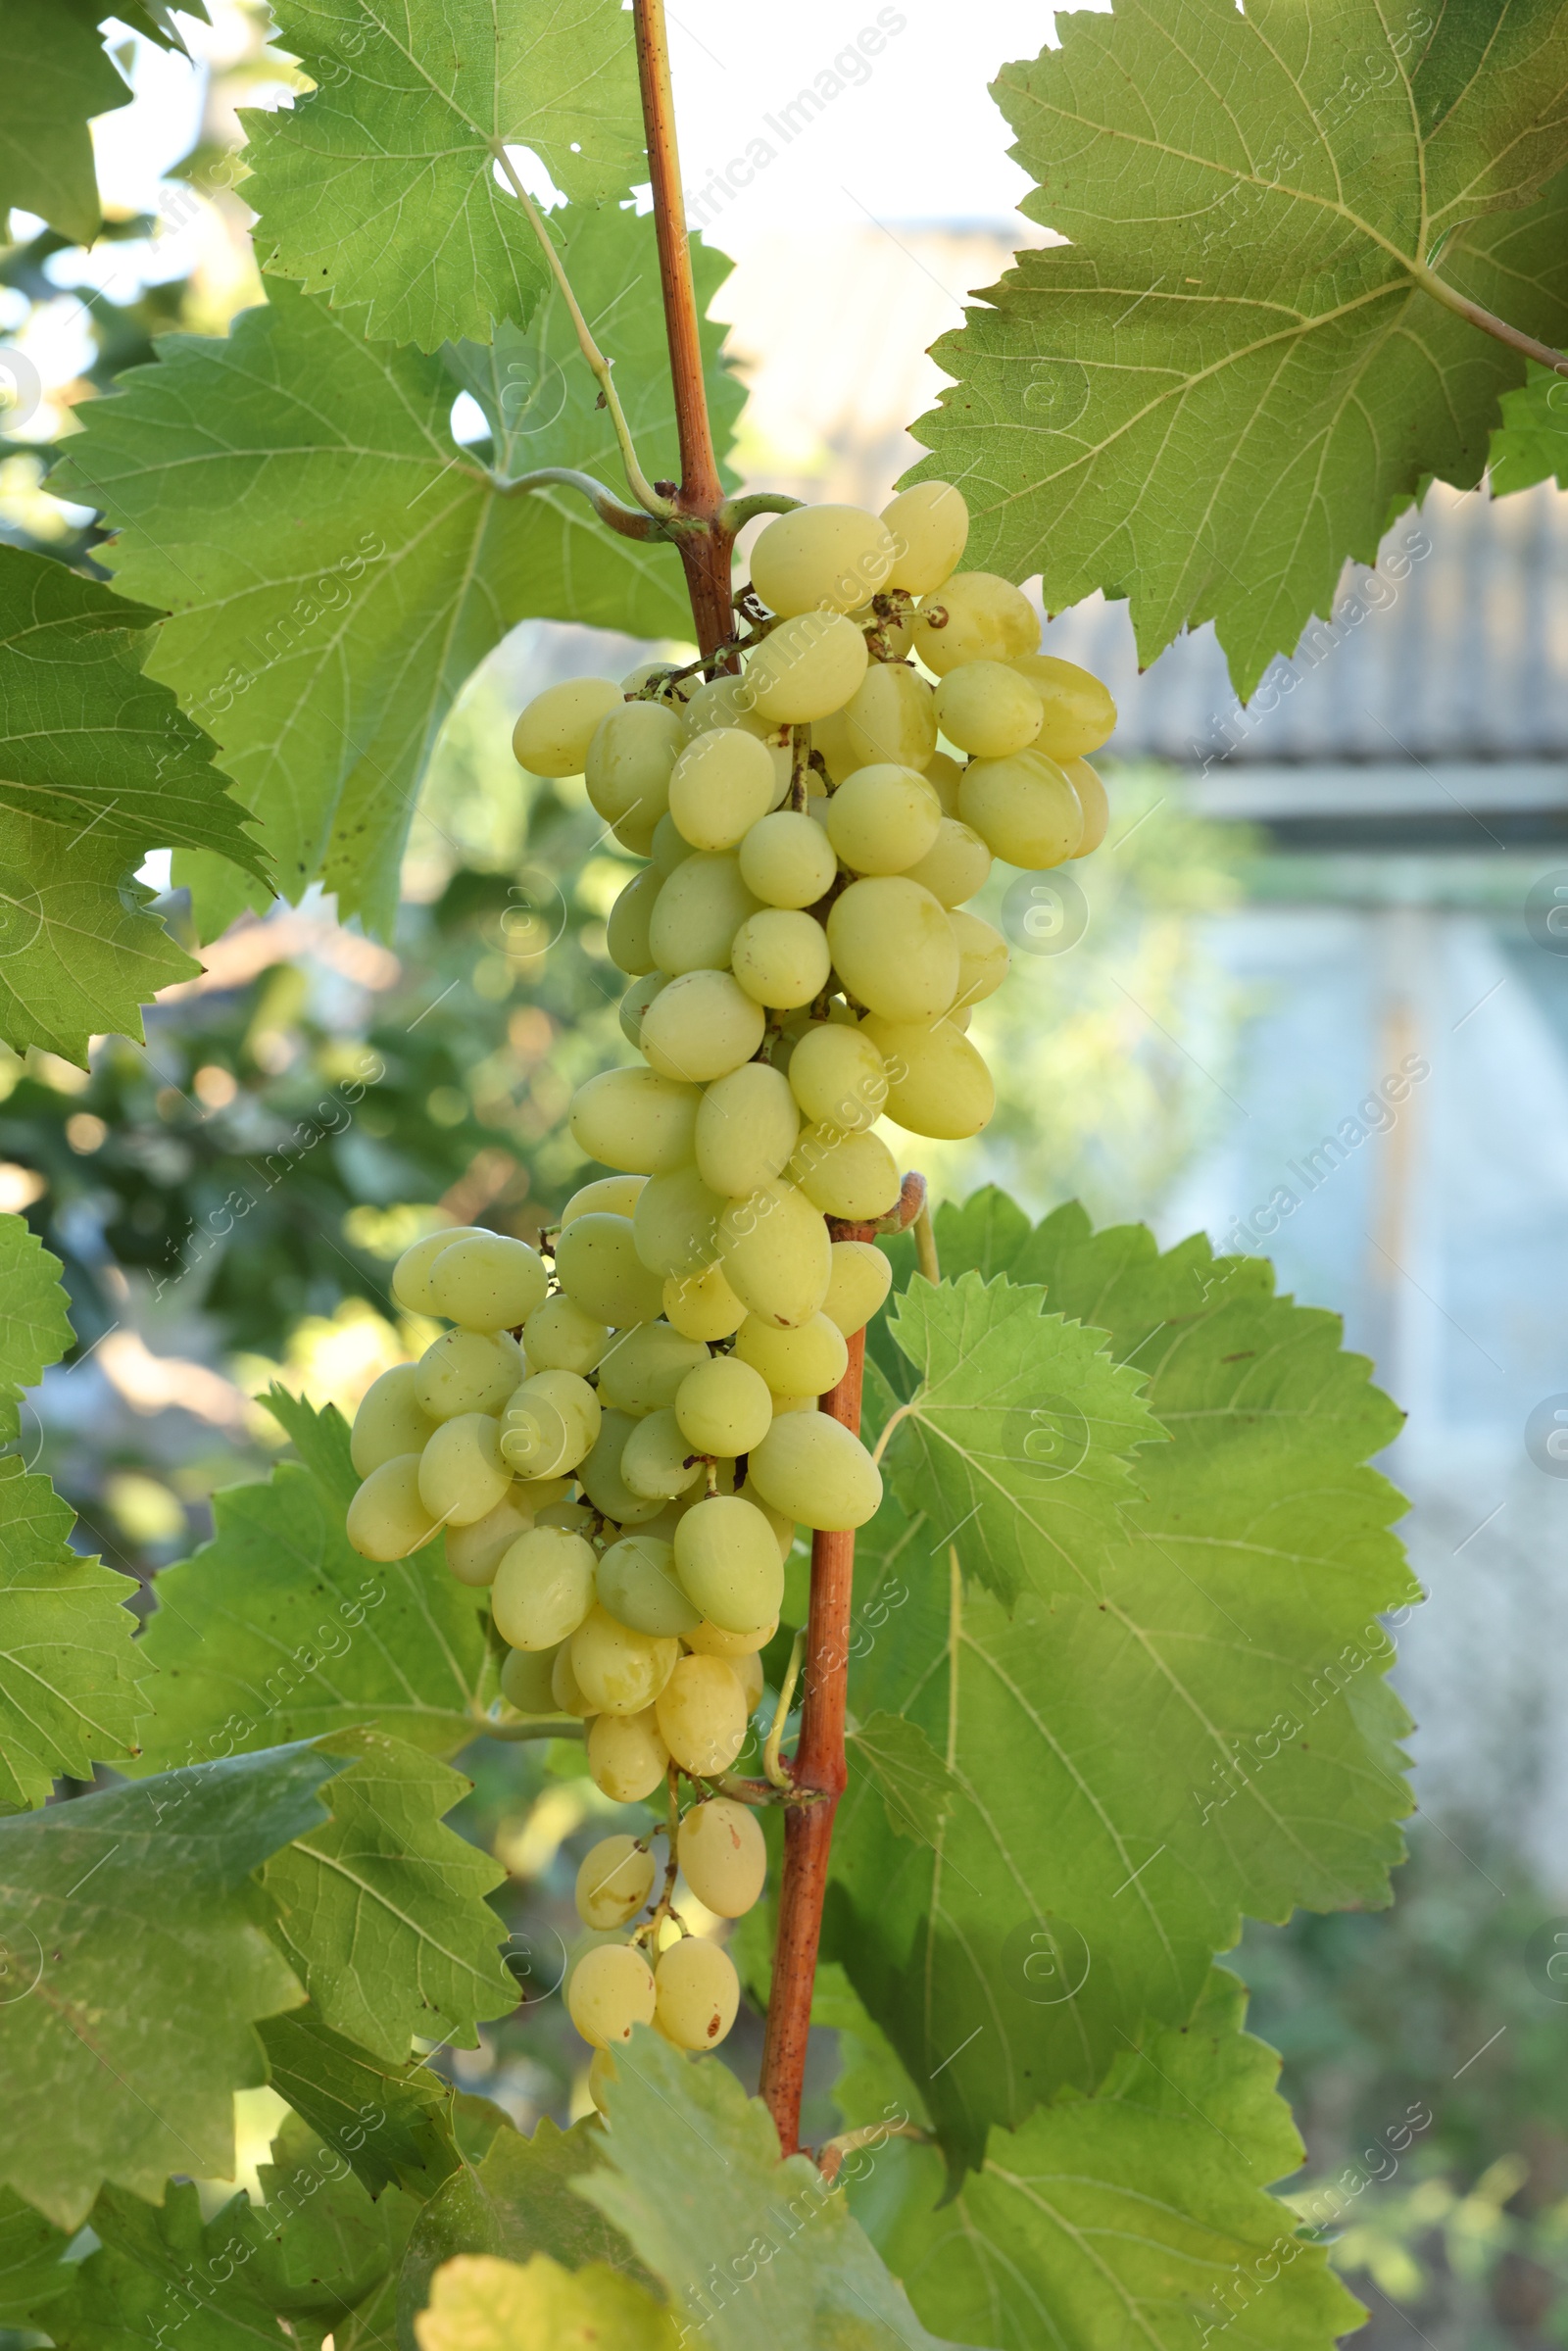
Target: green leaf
[1531,444]
[156,19]
[138,1962]
[481,2303]
[393,2124]
[336,566]
[381,1909]
[1230,377]
[918,1791]
[56,78]
[80,952]
[278,1629]
[32,2272]
[380,189]
[35,1324]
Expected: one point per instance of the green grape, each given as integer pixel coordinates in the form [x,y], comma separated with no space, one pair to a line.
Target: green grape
[461,1473]
[831,737]
[487,1282]
[944,775]
[712,1640]
[599,1270]
[638,1585]
[702,1305]
[601,1482]
[881,819]
[627,1760]
[780,959]
[807,1361]
[725,701]
[610,1988]
[386,1519]
[475,1552]
[702,1715]
[858,1284]
[837,1077]
[974,616]
[746,1128]
[620,1671]
[697,1994]
[560,1337]
[1090,793]
[391,1420]
[657,1462]
[564,1691]
[554,731]
[605,1196]
[468,1371]
[723,1857]
[1079,714]
[850,1176]
[635,1115]
[723,1407]
[821,559]
[627,932]
[812,1468]
[753,1679]
[893,948]
[1024,809]
[891,717]
[635,1003]
[628,764]
[982,957]
[548,1425]
[526,1680]
[720,785]
[940,1085]
[703,1025]
[602,2076]
[411,1274]
[783,1529]
[989,709]
[615,1878]
[785,859]
[576,1517]
[700,908]
[930,525]
[670,847]
[774,1247]
[955,867]
[543,1588]
[645,1367]
[808,667]
[727,1559]
[676,1224]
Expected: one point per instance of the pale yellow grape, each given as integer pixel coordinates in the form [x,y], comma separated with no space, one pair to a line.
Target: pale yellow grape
[787,860]
[712,1640]
[831,737]
[702,1027]
[746,1129]
[554,731]
[821,559]
[1024,809]
[702,1305]
[543,1587]
[391,1420]
[628,764]
[601,1482]
[609,1991]
[808,667]
[837,1077]
[676,1224]
[697,1994]
[386,1519]
[783,1534]
[635,1003]
[702,1715]
[657,1461]
[726,702]
[780,959]
[850,1176]
[412,1272]
[943,775]
[812,1468]
[1092,799]
[488,1282]
[956,866]
[645,1367]
[1079,712]
[605,1196]
[883,818]
[602,2077]
[566,1696]
[476,1550]
[548,1424]
[891,717]
[752,1677]
[941,1086]
[638,1586]
[576,1517]
[468,1371]
[462,1472]
[628,1758]
[635,1116]
[560,1337]
[893,948]
[626,931]
[723,1854]
[987,709]
[858,1284]
[669,846]
[982,619]
[615,1878]
[721,784]
[727,1559]
[620,1671]
[528,1680]
[930,526]
[774,1247]
[723,1407]
[700,908]
[807,1361]
[599,1270]
[982,957]
[793,1403]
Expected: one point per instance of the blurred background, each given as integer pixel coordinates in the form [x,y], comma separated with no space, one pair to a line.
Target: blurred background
[1353,878]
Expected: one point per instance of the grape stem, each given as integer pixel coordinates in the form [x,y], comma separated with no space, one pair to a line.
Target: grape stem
[786,1699]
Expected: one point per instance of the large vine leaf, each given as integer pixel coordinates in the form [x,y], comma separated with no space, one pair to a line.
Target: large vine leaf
[56,78]
[137,1963]
[336,566]
[1183,1722]
[381,189]
[481,2303]
[278,1629]
[35,1324]
[1531,444]
[1219,390]
[391,2124]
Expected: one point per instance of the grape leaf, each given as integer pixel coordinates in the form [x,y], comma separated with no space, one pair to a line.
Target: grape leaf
[278,1629]
[336,566]
[917,1788]
[137,1963]
[156,19]
[1236,371]
[1531,444]
[381,189]
[381,1910]
[391,2124]
[57,77]
[481,2303]
[33,2272]
[35,1326]
[81,953]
